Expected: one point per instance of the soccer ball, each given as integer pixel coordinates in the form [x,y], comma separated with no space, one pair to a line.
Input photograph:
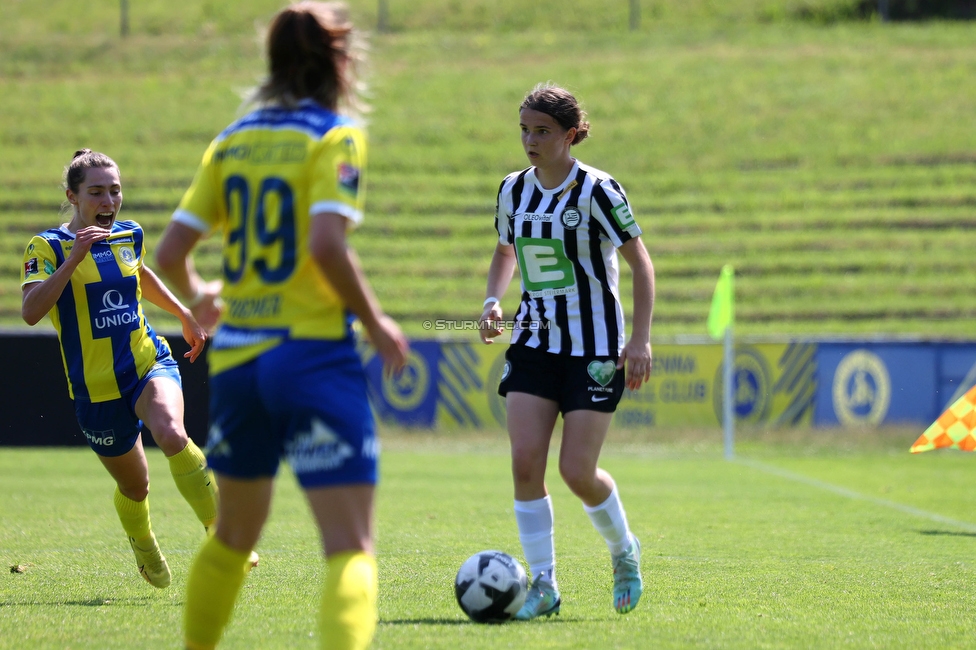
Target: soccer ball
[491,587]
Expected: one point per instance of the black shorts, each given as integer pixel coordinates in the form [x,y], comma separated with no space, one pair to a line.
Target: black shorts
[575,383]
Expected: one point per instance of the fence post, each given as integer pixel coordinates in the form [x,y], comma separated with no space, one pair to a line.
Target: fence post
[635,15]
[382,16]
[124,17]
[883,10]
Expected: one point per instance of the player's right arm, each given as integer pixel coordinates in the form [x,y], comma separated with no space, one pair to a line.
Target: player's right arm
[175,263]
[200,212]
[341,268]
[40,296]
[500,273]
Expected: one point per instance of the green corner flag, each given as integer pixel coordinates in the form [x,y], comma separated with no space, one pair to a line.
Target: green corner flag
[722,314]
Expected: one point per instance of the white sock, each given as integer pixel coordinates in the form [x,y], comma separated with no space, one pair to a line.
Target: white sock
[534,520]
[610,521]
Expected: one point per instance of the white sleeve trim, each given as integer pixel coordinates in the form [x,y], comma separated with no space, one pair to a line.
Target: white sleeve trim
[191,220]
[337,207]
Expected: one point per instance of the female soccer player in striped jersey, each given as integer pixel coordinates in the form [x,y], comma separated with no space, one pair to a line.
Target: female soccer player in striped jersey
[562,222]
[89,276]
[283,184]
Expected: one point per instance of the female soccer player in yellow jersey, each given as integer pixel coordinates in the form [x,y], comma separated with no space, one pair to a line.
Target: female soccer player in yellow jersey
[88,276]
[283,184]
[562,222]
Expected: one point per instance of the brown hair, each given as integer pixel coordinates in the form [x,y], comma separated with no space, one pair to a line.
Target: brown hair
[559,104]
[313,53]
[81,162]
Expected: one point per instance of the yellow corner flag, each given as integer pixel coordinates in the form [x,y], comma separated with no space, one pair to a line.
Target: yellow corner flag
[722,313]
[954,428]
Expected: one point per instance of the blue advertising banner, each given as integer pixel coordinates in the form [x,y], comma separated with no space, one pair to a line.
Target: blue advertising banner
[873,383]
[844,383]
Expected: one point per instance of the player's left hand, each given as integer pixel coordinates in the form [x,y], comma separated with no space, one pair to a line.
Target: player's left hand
[636,357]
[195,335]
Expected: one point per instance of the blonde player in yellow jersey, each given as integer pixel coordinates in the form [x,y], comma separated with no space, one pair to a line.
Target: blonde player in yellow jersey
[281,186]
[88,276]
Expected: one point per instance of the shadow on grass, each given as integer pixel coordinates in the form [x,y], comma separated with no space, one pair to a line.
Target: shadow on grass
[455,621]
[425,621]
[92,602]
[953,533]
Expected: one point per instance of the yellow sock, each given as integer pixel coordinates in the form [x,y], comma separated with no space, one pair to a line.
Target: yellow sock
[134,515]
[195,482]
[347,619]
[215,579]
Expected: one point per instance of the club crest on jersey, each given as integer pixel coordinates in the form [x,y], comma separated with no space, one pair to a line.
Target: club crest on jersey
[127,255]
[571,217]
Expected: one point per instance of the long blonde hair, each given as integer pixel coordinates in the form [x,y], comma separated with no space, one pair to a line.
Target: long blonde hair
[314,52]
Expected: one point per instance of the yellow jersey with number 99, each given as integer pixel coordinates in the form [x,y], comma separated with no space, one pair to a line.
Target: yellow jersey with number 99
[259,184]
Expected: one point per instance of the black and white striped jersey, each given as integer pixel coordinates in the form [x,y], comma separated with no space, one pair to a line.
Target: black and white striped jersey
[565,240]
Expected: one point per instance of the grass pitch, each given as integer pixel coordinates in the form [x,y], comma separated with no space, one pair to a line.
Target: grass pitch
[807,539]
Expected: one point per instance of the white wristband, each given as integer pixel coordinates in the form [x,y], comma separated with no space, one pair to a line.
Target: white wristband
[489,301]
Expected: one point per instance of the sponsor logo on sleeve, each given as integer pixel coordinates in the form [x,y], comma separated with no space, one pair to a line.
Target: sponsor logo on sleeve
[30,267]
[348,178]
[623,216]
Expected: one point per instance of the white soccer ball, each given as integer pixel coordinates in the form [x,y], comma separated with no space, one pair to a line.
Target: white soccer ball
[491,587]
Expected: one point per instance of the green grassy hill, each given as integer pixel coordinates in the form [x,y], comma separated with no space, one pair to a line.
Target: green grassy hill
[833,166]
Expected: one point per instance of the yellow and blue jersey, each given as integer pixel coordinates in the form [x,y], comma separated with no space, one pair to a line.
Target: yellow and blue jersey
[259,183]
[106,344]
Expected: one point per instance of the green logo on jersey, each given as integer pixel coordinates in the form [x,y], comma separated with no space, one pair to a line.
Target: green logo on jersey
[544,265]
[601,371]
[622,215]
[48,267]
